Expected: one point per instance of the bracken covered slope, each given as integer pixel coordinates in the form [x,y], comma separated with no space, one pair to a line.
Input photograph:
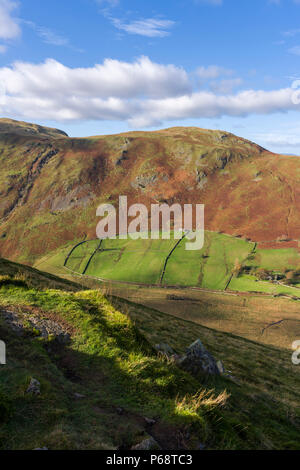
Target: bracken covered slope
[51,185]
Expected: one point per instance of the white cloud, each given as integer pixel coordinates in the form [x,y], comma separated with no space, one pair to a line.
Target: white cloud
[142,93]
[212,72]
[291,32]
[9,27]
[208,105]
[225,86]
[278,139]
[211,2]
[150,27]
[110,3]
[50,37]
[278,2]
[113,78]
[295,50]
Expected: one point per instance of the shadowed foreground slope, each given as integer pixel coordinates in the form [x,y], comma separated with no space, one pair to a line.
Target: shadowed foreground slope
[97,388]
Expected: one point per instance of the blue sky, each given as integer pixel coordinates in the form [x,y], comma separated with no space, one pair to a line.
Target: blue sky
[103,66]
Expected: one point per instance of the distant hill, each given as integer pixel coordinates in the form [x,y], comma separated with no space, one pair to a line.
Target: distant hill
[51,185]
[10,126]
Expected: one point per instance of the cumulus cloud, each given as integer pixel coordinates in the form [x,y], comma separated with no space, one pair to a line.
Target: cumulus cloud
[113,78]
[209,105]
[9,27]
[143,93]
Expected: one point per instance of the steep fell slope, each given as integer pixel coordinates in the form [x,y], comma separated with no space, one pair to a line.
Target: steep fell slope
[50,186]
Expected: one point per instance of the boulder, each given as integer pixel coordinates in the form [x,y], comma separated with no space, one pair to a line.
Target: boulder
[150,421]
[147,444]
[34,387]
[221,367]
[164,348]
[79,396]
[197,360]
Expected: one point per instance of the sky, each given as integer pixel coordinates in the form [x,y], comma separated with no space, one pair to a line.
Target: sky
[94,67]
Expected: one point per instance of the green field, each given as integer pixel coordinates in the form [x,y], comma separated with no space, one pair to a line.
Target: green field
[210,267]
[168,263]
[248,283]
[143,261]
[81,254]
[276,259]
[129,260]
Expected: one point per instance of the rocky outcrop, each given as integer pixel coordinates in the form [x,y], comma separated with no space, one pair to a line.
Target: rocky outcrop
[123,157]
[26,184]
[198,361]
[147,444]
[142,182]
[22,323]
[201,179]
[34,387]
[165,349]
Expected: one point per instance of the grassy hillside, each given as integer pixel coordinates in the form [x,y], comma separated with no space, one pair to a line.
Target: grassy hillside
[260,317]
[13,127]
[225,262]
[143,260]
[97,389]
[210,267]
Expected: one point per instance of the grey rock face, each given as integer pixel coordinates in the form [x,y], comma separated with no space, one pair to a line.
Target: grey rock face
[78,396]
[147,444]
[142,182]
[198,360]
[34,387]
[150,421]
[164,348]
[221,367]
[20,322]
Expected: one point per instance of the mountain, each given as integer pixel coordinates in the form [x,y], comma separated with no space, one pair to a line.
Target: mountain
[51,185]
